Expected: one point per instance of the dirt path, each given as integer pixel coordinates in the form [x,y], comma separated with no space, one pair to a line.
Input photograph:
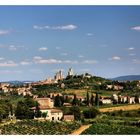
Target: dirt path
[125,108]
[81,129]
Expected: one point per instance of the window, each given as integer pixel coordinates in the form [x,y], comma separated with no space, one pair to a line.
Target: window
[52,118]
[58,118]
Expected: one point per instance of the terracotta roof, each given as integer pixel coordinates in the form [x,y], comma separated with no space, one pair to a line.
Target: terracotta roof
[55,110]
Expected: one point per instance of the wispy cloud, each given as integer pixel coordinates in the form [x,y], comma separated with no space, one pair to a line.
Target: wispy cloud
[12,48]
[131,48]
[80,56]
[40,60]
[10,71]
[136,61]
[1,58]
[70,62]
[115,58]
[89,34]
[43,49]
[60,27]
[5,32]
[132,54]
[25,62]
[64,54]
[137,28]
[89,62]
[9,63]
[48,61]
[58,48]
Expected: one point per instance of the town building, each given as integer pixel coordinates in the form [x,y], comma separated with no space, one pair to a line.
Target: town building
[59,75]
[70,72]
[51,114]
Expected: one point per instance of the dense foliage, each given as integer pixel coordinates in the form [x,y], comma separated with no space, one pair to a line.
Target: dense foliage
[90,113]
[6,108]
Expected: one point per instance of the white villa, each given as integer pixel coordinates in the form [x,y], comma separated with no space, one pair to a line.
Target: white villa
[52,114]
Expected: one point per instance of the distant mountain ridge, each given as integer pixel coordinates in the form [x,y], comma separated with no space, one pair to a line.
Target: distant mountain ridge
[127,78]
[17,82]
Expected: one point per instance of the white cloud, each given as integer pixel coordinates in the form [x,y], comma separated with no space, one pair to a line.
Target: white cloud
[10,72]
[43,49]
[131,48]
[41,27]
[64,54]
[89,34]
[89,61]
[62,27]
[5,32]
[9,63]
[115,58]
[58,48]
[37,57]
[40,60]
[132,54]
[1,58]
[80,56]
[25,62]
[12,48]
[48,61]
[136,61]
[70,62]
[137,28]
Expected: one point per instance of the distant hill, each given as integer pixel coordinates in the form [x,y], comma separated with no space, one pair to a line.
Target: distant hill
[17,82]
[127,78]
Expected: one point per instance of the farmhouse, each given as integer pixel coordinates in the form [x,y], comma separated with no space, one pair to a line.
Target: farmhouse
[52,114]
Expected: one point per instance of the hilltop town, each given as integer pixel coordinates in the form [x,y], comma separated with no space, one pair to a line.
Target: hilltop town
[66,99]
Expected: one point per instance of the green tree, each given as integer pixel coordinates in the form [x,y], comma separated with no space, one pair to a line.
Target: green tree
[87,99]
[37,111]
[92,100]
[75,110]
[90,113]
[57,101]
[23,111]
[97,99]
[75,101]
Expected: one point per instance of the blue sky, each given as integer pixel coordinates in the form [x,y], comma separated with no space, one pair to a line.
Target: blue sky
[36,41]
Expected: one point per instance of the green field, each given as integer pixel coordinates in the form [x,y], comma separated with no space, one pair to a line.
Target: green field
[33,127]
[115,124]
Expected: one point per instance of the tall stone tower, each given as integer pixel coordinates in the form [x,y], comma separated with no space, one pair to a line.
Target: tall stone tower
[59,75]
[70,72]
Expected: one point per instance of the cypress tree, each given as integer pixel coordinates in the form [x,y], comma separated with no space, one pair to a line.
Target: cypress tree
[74,102]
[97,100]
[88,99]
[92,100]
[57,101]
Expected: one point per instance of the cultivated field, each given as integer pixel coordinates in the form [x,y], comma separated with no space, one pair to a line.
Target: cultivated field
[124,108]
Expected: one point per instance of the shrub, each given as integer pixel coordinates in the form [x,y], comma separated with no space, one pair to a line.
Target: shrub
[90,113]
